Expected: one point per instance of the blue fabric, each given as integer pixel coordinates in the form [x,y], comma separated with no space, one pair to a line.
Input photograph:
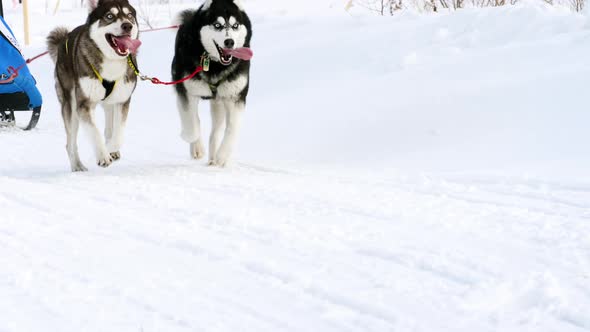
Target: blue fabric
[11,57]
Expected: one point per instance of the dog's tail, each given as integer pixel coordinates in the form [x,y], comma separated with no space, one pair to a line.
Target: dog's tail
[184,17]
[55,39]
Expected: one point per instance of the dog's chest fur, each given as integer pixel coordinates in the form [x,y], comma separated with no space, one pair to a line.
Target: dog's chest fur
[226,89]
[114,71]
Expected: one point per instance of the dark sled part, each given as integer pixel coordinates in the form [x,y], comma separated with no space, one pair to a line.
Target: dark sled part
[11,102]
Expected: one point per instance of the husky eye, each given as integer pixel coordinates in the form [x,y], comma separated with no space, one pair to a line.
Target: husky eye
[130,15]
[110,16]
[217,26]
[235,26]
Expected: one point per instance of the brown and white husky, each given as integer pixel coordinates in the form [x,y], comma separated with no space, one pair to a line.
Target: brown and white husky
[95,64]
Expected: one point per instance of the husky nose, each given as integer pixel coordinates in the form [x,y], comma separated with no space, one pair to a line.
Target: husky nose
[229,43]
[126,27]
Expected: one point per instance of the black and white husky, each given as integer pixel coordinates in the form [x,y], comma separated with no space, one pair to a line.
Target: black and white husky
[95,64]
[216,36]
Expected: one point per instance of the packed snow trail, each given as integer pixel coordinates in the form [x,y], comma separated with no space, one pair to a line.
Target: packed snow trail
[263,250]
[415,183]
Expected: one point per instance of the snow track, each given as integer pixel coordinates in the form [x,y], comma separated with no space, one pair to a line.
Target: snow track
[400,193]
[196,248]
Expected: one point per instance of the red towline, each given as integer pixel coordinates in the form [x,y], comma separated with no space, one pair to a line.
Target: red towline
[14,71]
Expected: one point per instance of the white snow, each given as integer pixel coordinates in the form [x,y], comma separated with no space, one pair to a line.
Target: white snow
[409,173]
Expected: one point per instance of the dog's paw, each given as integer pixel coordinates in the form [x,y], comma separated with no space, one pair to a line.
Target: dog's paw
[197,150]
[222,157]
[115,156]
[219,162]
[105,162]
[79,167]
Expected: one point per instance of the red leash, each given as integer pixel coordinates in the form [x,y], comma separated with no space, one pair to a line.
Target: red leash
[14,71]
[29,60]
[156,81]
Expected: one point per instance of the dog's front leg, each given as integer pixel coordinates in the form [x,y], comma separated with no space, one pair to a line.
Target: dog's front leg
[118,118]
[233,120]
[188,108]
[217,125]
[86,114]
[108,123]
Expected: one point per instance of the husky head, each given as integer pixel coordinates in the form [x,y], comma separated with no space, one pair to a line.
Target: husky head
[226,27]
[113,27]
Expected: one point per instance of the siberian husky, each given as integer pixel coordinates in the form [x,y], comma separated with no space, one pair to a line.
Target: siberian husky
[95,64]
[217,37]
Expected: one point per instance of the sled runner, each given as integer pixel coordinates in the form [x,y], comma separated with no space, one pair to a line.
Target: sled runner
[18,91]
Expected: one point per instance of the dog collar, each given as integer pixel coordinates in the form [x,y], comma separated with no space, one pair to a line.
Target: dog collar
[205,61]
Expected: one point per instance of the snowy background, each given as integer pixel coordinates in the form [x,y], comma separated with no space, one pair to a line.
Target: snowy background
[416,172]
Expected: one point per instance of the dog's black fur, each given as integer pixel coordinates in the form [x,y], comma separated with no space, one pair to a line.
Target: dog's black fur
[189,49]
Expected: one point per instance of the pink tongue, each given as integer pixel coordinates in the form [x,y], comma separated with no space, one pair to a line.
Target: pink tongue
[126,43]
[243,53]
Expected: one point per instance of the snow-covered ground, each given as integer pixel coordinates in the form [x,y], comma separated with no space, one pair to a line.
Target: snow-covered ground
[409,173]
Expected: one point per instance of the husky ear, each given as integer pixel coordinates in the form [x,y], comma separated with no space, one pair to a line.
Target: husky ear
[207,4]
[92,4]
[239,4]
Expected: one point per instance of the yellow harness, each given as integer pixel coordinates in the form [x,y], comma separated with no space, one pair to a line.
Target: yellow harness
[108,85]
